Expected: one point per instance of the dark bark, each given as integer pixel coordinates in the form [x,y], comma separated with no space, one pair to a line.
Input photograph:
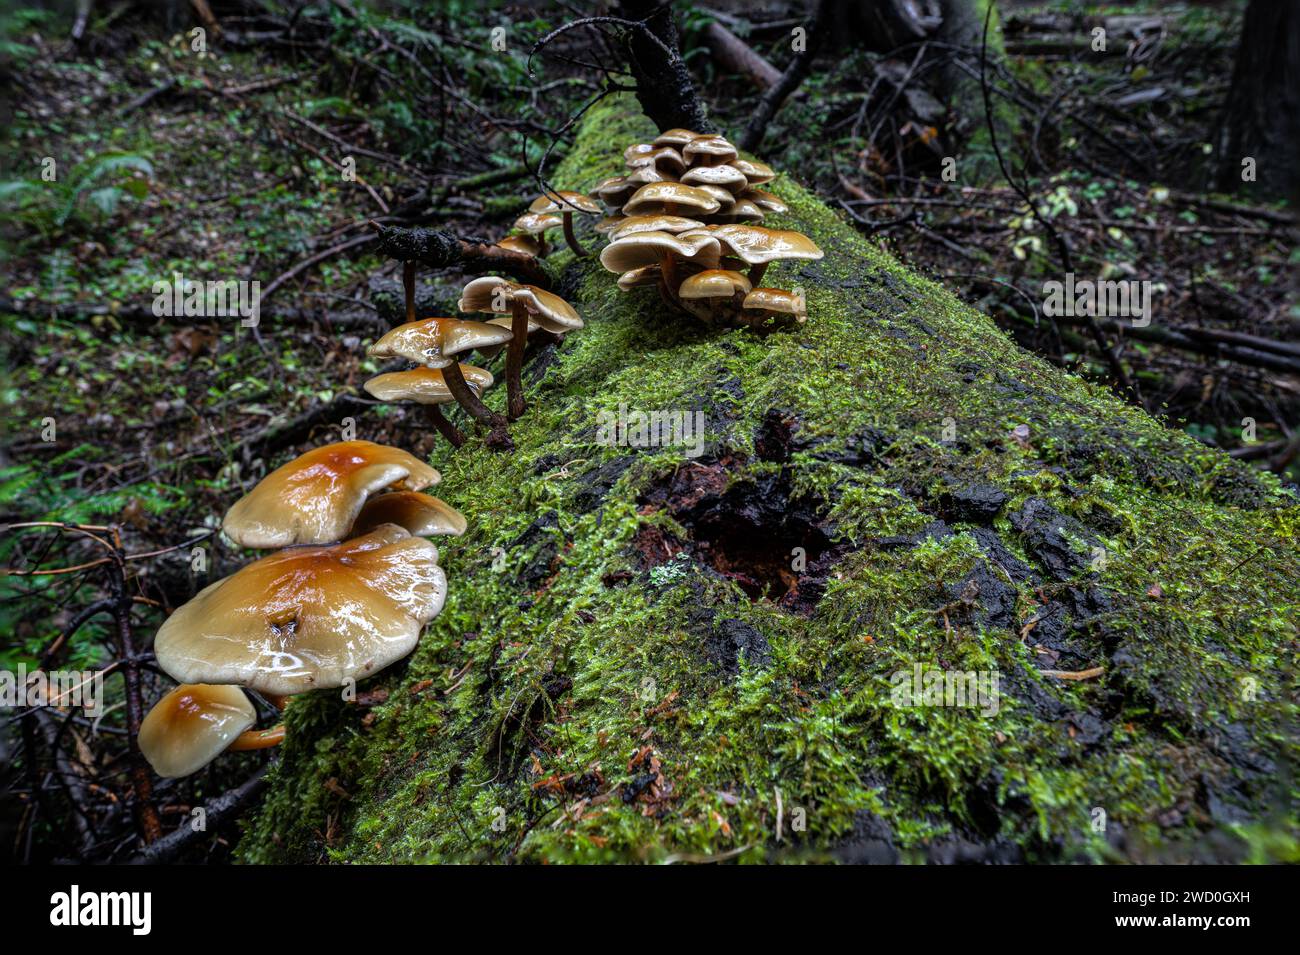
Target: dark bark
[663,83]
[1261,118]
[439,249]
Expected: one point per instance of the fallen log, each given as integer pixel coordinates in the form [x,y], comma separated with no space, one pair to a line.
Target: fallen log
[650,644]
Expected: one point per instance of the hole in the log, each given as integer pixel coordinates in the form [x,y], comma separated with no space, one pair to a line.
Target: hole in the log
[748,529]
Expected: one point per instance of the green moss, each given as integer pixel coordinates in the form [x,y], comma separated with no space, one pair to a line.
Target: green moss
[560,667]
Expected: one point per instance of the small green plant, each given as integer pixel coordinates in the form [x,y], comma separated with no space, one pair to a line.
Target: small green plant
[94,186]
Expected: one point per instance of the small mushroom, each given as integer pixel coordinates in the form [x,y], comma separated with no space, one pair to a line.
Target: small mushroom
[423,515]
[193,724]
[756,172]
[614,191]
[428,387]
[524,245]
[676,137]
[758,246]
[635,278]
[745,210]
[666,160]
[491,293]
[315,497]
[537,224]
[767,201]
[708,151]
[565,204]
[308,617]
[705,292]
[774,305]
[663,249]
[670,198]
[660,223]
[727,177]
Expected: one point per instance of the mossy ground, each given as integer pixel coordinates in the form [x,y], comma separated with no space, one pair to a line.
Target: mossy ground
[566,707]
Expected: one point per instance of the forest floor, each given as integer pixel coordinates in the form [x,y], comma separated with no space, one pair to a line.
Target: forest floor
[228,165]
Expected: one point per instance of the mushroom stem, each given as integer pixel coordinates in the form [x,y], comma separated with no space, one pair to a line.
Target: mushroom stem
[668,269]
[756,273]
[445,427]
[467,399]
[515,358]
[571,238]
[278,700]
[257,739]
[408,283]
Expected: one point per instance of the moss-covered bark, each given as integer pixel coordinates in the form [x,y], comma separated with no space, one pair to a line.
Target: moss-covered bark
[605,682]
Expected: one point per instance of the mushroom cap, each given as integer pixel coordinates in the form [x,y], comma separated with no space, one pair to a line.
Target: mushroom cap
[776,301]
[714,283]
[653,197]
[308,617]
[647,248]
[634,278]
[538,223]
[192,725]
[658,223]
[675,137]
[614,191]
[315,497]
[726,198]
[523,244]
[746,209]
[422,515]
[644,175]
[754,244]
[561,202]
[665,159]
[728,177]
[708,151]
[424,385]
[550,311]
[432,341]
[756,172]
[637,150]
[767,201]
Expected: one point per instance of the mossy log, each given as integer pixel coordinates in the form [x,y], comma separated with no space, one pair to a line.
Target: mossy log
[652,655]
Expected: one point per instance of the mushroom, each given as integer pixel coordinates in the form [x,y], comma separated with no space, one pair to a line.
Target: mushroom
[566,204]
[428,387]
[756,172]
[666,160]
[614,191]
[195,723]
[745,210]
[714,287]
[727,177]
[675,137]
[308,617]
[774,304]
[491,293]
[422,515]
[634,278]
[663,249]
[767,201]
[523,244]
[758,246]
[660,223]
[708,150]
[670,198]
[537,224]
[315,497]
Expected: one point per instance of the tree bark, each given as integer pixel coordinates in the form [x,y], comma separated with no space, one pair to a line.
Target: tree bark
[664,85]
[1261,119]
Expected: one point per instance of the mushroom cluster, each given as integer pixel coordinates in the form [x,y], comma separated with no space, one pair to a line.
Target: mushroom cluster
[683,220]
[433,344]
[346,596]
